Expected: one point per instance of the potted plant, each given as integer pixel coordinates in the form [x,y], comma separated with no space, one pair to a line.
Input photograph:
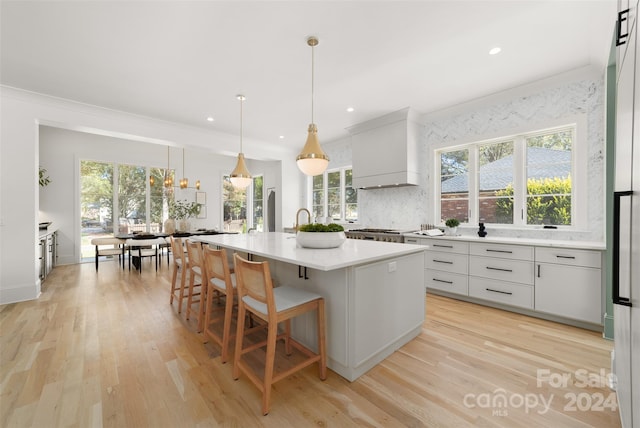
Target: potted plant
[452,226]
[43,178]
[181,211]
[317,235]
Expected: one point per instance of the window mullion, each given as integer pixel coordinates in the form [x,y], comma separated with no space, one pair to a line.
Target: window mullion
[519,181]
[115,214]
[474,192]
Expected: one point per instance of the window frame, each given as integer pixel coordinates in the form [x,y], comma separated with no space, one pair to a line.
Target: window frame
[579,168]
[249,201]
[325,193]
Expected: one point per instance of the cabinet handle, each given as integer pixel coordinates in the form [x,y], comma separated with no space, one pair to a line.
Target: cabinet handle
[442,280]
[442,261]
[621,38]
[500,269]
[500,251]
[538,271]
[443,246]
[617,234]
[498,291]
[566,257]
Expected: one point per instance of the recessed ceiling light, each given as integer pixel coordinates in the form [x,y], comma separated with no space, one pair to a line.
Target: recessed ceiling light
[282,137]
[210,119]
[350,109]
[495,51]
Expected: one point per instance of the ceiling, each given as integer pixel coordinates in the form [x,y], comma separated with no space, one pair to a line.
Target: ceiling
[184,61]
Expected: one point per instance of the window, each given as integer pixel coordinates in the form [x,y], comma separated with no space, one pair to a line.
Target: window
[518,180]
[243,209]
[132,198]
[108,188]
[332,193]
[258,201]
[454,184]
[234,208]
[96,203]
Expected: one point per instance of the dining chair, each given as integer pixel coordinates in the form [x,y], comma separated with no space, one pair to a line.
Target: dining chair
[143,248]
[257,296]
[197,277]
[180,266]
[114,246]
[221,285]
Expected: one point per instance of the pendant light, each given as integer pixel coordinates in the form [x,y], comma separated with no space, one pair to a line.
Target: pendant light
[240,176]
[312,160]
[168,181]
[184,182]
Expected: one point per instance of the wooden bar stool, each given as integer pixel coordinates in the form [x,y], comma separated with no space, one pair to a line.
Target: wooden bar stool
[197,277]
[221,283]
[257,295]
[180,265]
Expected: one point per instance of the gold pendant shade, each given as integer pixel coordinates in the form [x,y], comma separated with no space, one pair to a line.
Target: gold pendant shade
[240,176]
[312,160]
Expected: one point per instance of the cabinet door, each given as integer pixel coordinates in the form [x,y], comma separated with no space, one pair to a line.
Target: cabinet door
[625,27]
[624,116]
[569,291]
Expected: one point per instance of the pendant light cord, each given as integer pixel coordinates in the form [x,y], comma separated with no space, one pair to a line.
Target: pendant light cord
[241,99]
[312,79]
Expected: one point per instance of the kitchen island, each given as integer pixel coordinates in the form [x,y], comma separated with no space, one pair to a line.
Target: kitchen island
[374,293]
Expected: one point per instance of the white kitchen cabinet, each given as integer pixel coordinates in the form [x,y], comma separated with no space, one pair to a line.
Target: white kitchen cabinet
[446,264]
[503,251]
[569,283]
[626,27]
[501,273]
[559,282]
[508,293]
[47,257]
[446,271]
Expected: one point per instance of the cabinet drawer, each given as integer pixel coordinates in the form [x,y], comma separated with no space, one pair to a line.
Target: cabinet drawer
[504,251]
[447,246]
[501,292]
[501,269]
[450,262]
[571,257]
[445,281]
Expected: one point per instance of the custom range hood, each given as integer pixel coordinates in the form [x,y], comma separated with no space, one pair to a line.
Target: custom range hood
[384,151]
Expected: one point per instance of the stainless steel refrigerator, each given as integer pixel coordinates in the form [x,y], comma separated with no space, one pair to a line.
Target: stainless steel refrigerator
[626,233]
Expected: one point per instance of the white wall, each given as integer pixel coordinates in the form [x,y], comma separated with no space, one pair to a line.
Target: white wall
[580,92]
[21,115]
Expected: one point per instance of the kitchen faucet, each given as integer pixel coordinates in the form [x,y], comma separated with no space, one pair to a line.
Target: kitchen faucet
[297,225]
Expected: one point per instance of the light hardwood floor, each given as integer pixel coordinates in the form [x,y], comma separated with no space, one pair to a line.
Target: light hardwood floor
[108,350]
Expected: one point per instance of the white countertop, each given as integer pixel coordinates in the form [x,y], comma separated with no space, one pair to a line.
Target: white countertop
[282,247]
[584,245]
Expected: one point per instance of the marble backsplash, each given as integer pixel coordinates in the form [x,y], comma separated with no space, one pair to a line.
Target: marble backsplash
[408,207]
